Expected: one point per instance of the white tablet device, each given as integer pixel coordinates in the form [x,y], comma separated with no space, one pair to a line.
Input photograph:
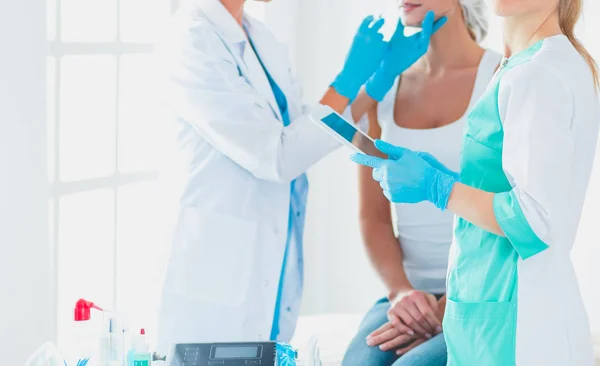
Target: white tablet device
[343,130]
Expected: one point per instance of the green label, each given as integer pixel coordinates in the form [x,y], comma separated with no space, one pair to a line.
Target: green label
[141,363]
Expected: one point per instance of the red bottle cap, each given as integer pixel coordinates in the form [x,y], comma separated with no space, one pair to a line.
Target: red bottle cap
[82,311]
[143,331]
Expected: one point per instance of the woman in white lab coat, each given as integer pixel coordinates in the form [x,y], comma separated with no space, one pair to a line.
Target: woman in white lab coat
[245,142]
[526,159]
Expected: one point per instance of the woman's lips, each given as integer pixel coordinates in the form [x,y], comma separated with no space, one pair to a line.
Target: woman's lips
[408,7]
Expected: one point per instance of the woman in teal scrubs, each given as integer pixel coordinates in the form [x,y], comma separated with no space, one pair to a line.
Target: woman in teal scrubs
[527,156]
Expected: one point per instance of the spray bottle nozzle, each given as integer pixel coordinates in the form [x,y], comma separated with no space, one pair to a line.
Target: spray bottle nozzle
[82,311]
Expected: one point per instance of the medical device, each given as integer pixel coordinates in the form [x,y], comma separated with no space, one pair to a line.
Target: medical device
[346,132]
[232,354]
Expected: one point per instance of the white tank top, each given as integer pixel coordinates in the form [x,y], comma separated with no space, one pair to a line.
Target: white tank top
[424,232]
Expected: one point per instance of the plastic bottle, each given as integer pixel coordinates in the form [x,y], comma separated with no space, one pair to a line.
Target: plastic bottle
[313,356]
[141,355]
[113,340]
[84,350]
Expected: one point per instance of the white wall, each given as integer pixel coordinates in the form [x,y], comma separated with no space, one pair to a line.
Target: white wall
[26,306]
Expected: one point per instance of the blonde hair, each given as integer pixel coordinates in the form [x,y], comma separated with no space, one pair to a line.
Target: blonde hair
[569,12]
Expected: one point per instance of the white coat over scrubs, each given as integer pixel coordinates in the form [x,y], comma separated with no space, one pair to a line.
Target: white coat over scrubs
[238,161]
[531,140]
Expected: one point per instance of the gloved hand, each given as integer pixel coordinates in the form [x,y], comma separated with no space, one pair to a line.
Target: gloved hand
[435,163]
[408,178]
[364,57]
[402,53]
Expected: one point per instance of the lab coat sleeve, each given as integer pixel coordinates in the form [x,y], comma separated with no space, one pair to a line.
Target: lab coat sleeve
[362,123]
[536,108]
[204,87]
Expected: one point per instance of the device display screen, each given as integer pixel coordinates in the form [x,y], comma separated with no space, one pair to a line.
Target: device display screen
[225,352]
[350,133]
[339,125]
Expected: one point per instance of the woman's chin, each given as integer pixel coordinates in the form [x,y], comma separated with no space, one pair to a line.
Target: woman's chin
[414,18]
[412,22]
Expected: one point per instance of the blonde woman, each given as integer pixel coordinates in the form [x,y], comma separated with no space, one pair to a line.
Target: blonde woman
[526,160]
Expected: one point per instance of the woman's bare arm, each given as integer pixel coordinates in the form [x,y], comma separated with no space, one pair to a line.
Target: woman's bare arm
[376,223]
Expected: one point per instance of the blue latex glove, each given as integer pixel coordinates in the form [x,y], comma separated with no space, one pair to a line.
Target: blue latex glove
[435,163]
[408,178]
[286,355]
[364,57]
[402,53]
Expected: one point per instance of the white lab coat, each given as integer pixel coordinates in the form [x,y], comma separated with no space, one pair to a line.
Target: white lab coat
[238,161]
[531,139]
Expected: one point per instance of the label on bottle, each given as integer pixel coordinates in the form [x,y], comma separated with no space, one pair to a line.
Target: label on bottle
[141,363]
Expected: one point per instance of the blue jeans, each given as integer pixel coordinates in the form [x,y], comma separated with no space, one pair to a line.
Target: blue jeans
[430,353]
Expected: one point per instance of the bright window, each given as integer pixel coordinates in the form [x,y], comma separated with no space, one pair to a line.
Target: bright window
[103,129]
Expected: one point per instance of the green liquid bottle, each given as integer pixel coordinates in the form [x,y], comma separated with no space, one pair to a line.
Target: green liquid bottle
[142,360]
[142,355]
